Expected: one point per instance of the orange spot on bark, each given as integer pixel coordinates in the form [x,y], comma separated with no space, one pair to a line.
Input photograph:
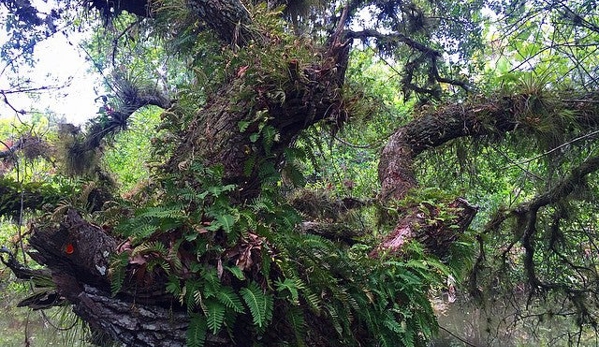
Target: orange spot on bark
[69,249]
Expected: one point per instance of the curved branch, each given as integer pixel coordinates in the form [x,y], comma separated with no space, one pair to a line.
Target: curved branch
[527,212]
[392,38]
[131,99]
[482,116]
[563,188]
[10,149]
[435,128]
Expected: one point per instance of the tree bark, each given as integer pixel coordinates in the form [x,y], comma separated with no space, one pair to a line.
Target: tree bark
[215,135]
[77,255]
[433,128]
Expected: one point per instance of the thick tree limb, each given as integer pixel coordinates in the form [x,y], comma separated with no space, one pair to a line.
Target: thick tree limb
[478,117]
[76,253]
[75,247]
[9,150]
[423,225]
[432,129]
[21,271]
[130,323]
[392,38]
[215,136]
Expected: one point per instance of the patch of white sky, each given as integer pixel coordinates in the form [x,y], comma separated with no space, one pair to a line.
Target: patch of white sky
[61,65]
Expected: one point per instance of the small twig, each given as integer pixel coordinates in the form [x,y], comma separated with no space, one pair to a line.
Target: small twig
[519,165]
[115,41]
[457,337]
[556,148]
[354,145]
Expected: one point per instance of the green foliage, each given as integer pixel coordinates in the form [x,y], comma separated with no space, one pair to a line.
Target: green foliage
[196,332]
[215,315]
[227,260]
[228,297]
[233,261]
[118,265]
[259,303]
[128,154]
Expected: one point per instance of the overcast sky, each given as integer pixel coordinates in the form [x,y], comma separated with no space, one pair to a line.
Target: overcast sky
[59,64]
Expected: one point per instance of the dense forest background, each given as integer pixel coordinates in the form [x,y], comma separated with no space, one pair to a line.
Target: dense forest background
[306,173]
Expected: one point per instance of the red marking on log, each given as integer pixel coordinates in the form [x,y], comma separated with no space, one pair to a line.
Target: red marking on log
[69,249]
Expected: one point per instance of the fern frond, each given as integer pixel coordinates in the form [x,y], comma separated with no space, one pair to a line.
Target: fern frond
[215,315]
[291,286]
[313,300]
[118,266]
[230,299]
[318,242]
[85,192]
[174,259]
[332,311]
[160,212]
[198,299]
[196,331]
[259,303]
[236,271]
[295,317]
[150,247]
[263,204]
[144,231]
[190,294]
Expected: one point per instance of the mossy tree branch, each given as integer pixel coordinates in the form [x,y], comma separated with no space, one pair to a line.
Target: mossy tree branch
[479,117]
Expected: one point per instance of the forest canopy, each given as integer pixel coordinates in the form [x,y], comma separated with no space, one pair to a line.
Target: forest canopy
[306,173]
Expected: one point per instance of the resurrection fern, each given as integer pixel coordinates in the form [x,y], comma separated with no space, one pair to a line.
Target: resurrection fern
[162,212]
[296,320]
[215,315]
[196,332]
[228,297]
[117,273]
[259,303]
[291,286]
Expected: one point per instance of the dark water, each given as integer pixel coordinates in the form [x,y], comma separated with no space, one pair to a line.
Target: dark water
[499,325]
[21,327]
